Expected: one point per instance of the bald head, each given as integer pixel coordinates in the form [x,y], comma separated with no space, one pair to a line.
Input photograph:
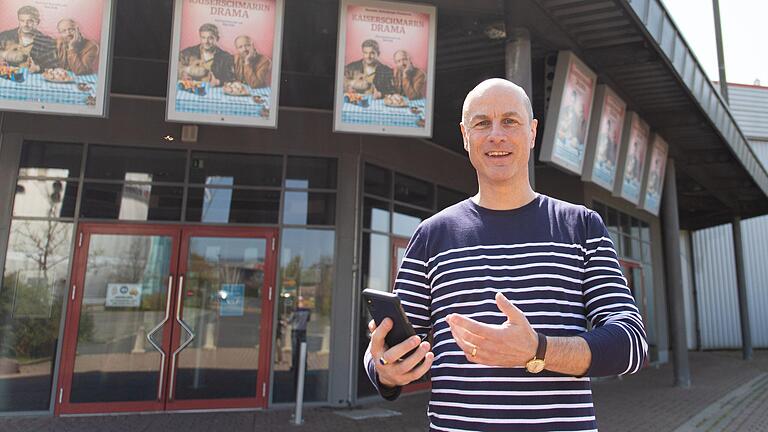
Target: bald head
[496,87]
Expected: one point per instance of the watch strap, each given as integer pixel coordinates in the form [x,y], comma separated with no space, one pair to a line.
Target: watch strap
[541,350]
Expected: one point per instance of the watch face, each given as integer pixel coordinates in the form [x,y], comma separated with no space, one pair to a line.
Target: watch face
[535,366]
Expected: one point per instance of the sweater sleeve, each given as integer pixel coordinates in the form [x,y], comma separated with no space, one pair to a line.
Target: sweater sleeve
[413,288]
[617,338]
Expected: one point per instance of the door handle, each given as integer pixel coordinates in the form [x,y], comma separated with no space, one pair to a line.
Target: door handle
[182,345]
[151,334]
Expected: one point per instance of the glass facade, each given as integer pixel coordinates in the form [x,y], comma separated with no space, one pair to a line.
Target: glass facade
[393,207]
[632,239]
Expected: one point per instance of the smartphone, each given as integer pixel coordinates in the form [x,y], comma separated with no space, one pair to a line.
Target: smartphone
[387,305]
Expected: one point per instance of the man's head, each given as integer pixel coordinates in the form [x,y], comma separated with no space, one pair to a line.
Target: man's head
[499,130]
[209,36]
[402,59]
[68,29]
[29,19]
[370,52]
[244,45]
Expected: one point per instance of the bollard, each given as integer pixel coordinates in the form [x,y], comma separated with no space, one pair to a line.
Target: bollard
[297,419]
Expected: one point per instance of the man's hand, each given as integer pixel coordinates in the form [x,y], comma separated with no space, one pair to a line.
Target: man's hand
[214,82]
[511,344]
[391,370]
[33,67]
[74,44]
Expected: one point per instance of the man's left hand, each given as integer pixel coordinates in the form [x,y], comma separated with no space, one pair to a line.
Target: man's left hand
[511,344]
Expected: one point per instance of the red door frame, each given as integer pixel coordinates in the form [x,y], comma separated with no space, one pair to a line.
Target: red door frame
[75,299]
[180,235]
[265,338]
[402,243]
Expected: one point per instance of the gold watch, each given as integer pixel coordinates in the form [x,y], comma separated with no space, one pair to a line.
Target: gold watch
[536,364]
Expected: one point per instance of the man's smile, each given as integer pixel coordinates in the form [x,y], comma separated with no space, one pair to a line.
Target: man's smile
[498,154]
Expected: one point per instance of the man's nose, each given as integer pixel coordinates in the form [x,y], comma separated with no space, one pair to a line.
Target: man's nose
[497,133]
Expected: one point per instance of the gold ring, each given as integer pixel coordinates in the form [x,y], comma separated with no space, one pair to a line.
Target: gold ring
[474,352]
[382,361]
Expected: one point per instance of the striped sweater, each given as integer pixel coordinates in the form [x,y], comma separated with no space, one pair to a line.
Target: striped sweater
[554,261]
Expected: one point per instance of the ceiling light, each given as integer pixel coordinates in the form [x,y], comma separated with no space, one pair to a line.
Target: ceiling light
[168,138]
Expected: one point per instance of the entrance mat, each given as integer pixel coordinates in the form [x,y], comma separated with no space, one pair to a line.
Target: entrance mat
[368,413]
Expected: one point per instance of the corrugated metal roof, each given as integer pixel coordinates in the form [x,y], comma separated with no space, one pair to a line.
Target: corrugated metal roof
[761,150]
[749,104]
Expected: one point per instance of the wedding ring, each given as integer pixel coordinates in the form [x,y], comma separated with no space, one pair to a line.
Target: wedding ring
[474,352]
[382,361]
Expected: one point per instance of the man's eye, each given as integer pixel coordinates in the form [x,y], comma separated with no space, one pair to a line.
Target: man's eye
[510,121]
[482,123]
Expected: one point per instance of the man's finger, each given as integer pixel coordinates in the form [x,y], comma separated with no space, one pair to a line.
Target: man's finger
[377,337]
[423,368]
[398,351]
[372,326]
[476,327]
[412,360]
[458,336]
[514,314]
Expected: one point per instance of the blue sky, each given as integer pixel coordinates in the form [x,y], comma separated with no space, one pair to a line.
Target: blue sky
[745,34]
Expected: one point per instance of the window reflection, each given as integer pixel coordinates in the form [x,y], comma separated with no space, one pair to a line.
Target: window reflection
[31,298]
[376,269]
[413,191]
[405,220]
[304,312]
[309,208]
[50,159]
[311,173]
[376,215]
[45,198]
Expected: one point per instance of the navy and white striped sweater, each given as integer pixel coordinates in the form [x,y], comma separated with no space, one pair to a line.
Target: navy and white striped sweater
[554,261]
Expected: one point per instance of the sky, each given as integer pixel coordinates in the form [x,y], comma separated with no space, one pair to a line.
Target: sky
[745,34]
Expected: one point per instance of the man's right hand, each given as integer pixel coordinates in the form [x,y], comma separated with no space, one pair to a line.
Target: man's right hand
[391,371]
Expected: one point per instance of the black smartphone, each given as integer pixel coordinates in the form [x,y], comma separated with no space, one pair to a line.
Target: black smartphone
[387,305]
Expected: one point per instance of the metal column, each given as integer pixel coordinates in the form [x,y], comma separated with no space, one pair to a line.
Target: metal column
[518,62]
[674,279]
[741,284]
[720,55]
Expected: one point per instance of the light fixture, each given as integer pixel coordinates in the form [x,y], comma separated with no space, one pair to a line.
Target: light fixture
[168,138]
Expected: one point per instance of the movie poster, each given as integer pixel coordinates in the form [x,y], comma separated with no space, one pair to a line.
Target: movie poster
[654,184]
[385,68]
[568,117]
[632,160]
[604,138]
[55,56]
[225,62]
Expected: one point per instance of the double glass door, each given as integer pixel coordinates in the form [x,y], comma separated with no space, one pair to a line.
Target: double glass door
[168,317]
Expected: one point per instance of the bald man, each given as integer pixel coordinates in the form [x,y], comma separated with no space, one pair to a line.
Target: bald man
[408,80]
[251,67]
[508,282]
[74,52]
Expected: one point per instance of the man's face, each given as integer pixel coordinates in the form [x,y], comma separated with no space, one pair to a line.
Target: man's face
[208,40]
[498,135]
[402,61]
[68,30]
[28,23]
[369,56]
[243,46]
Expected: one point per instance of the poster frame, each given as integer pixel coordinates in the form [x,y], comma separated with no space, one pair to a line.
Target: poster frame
[103,83]
[172,115]
[565,60]
[618,190]
[338,93]
[658,143]
[590,155]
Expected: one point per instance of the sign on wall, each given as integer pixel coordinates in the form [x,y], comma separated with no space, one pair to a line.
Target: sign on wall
[55,56]
[654,183]
[632,159]
[385,68]
[604,138]
[225,62]
[123,295]
[568,116]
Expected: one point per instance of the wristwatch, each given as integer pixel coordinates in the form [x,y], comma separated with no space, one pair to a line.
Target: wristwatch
[536,364]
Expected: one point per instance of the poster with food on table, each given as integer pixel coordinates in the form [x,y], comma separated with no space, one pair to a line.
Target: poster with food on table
[385,68]
[225,62]
[55,56]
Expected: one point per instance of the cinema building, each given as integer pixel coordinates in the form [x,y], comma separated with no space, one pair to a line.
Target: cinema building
[153,265]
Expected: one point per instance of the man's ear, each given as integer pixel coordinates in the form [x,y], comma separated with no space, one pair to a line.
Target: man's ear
[534,129]
[464,136]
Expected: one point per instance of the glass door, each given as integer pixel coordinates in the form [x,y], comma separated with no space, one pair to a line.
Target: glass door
[222,321]
[116,341]
[167,317]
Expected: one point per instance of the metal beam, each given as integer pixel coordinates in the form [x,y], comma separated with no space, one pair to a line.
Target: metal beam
[741,285]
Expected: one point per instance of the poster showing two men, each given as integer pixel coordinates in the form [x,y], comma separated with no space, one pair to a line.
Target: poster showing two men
[54,56]
[385,70]
[634,152]
[604,137]
[225,62]
[565,137]
[655,179]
